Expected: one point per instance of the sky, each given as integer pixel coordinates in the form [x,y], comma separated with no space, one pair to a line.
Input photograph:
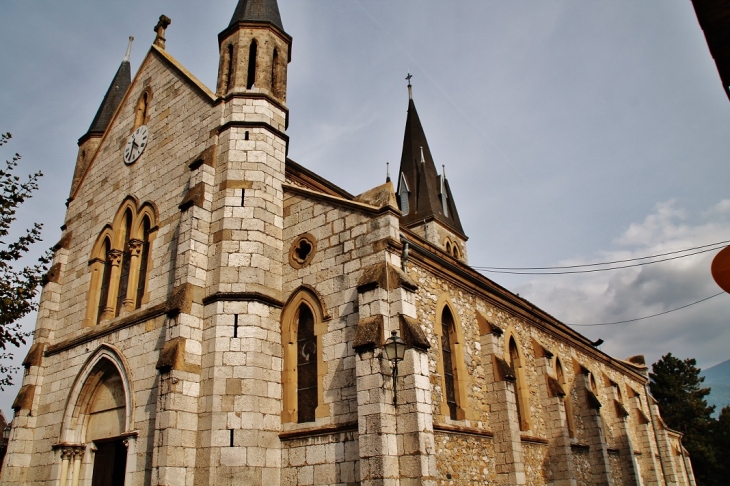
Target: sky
[572,132]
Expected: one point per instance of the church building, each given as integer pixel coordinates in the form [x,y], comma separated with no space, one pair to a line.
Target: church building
[217,314]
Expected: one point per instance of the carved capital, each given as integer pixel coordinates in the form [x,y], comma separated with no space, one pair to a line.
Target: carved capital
[135,247]
[115,257]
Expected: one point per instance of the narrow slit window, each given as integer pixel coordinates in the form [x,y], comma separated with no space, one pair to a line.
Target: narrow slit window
[243,197]
[229,68]
[516,365]
[231,437]
[251,79]
[245,135]
[235,325]
[274,76]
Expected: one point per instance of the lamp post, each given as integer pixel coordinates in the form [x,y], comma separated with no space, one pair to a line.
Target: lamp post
[395,350]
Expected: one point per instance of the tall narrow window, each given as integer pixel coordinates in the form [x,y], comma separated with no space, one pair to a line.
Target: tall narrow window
[567,400]
[274,73]
[403,195]
[143,258]
[516,365]
[306,366]
[251,79]
[447,334]
[140,114]
[106,276]
[229,68]
[126,260]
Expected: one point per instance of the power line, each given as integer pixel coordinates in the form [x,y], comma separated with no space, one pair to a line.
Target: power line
[483,269]
[647,317]
[606,263]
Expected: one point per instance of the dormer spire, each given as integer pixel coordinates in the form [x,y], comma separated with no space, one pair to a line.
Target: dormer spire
[112,98]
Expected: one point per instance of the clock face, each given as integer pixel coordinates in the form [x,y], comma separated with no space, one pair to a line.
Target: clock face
[136,144]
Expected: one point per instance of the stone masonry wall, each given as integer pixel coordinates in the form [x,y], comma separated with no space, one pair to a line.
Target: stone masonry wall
[464,459]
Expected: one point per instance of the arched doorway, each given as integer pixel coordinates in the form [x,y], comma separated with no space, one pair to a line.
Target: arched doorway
[96,438]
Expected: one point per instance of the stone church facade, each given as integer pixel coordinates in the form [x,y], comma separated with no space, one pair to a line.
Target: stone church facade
[216,315]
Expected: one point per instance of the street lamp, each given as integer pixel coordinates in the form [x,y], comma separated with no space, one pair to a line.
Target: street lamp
[395,350]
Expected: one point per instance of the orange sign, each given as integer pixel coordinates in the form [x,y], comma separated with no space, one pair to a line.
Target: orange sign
[721,269]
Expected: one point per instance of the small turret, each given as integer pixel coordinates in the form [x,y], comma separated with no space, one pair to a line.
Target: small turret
[254,52]
[114,95]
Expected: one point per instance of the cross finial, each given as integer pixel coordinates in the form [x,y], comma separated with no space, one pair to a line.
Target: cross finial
[129,49]
[162,24]
[410,89]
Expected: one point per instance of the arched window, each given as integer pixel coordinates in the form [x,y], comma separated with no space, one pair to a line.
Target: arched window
[519,385]
[447,356]
[251,77]
[275,73]
[306,365]
[120,263]
[106,276]
[140,113]
[302,329]
[567,400]
[229,68]
[144,257]
[126,260]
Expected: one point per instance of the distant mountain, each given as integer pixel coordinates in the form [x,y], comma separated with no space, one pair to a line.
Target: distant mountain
[718,378]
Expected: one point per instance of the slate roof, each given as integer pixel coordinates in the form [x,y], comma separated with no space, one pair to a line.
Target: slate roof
[423,180]
[257,11]
[111,101]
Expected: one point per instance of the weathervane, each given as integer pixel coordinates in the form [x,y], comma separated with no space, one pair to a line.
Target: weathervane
[410,89]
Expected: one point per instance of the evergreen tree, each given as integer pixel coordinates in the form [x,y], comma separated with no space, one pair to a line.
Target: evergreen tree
[677,385]
[721,441]
[18,287]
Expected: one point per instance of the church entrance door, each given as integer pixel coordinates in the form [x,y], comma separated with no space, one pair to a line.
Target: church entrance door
[110,462]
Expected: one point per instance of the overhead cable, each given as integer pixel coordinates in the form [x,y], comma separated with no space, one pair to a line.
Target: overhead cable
[718,244]
[647,317]
[483,269]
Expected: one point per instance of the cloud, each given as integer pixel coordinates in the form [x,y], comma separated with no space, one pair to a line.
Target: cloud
[699,331]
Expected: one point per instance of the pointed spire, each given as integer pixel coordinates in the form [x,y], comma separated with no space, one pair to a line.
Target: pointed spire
[387,172]
[115,93]
[128,55]
[429,195]
[257,11]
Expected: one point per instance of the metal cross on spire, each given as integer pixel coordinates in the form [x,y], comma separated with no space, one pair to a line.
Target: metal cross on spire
[410,89]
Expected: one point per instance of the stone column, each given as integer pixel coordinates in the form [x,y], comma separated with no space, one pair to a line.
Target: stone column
[552,399]
[115,257]
[593,422]
[503,418]
[135,250]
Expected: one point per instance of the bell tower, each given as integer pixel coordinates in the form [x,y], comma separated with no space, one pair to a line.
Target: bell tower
[254,52]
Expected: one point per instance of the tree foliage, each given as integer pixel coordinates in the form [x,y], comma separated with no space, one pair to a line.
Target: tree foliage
[677,385]
[18,287]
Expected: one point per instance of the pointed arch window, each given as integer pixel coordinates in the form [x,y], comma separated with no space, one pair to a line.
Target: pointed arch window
[104,284]
[229,68]
[142,109]
[275,72]
[120,264]
[447,356]
[125,263]
[251,75]
[304,367]
[520,391]
[143,262]
[567,399]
